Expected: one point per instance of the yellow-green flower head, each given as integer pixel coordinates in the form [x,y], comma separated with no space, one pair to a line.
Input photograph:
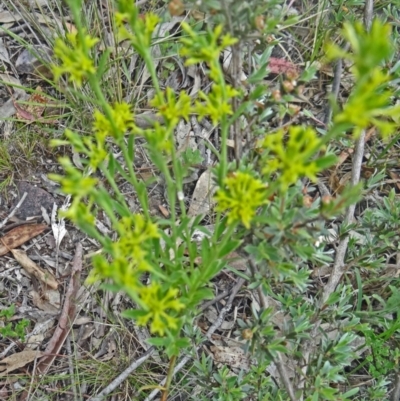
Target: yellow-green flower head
[290,156]
[128,253]
[171,107]
[134,232]
[75,58]
[160,137]
[240,197]
[216,104]
[74,182]
[122,118]
[157,304]
[141,28]
[122,271]
[208,47]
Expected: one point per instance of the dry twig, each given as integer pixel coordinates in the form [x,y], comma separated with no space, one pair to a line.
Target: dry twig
[11,214]
[67,315]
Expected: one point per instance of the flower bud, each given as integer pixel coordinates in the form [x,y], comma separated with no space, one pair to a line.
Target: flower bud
[276,95]
[247,334]
[176,7]
[289,86]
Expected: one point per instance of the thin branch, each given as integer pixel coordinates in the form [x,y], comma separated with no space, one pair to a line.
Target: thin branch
[19,204]
[368,14]
[337,76]
[395,396]
[285,377]
[123,376]
[235,72]
[262,298]
[339,264]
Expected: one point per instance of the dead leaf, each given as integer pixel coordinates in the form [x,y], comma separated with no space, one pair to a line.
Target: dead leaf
[18,360]
[4,56]
[37,103]
[202,195]
[111,351]
[183,136]
[337,184]
[7,110]
[237,262]
[53,21]
[164,211]
[37,335]
[58,224]
[67,315]
[7,17]
[396,178]
[33,109]
[10,80]
[36,60]
[231,143]
[44,302]
[197,15]
[19,235]
[194,73]
[38,3]
[34,270]
[76,158]
[234,357]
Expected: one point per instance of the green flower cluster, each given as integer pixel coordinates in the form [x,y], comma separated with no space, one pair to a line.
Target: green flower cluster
[94,146]
[173,108]
[369,102]
[74,57]
[125,260]
[143,28]
[216,104]
[240,197]
[74,182]
[129,254]
[371,98]
[291,158]
[129,260]
[207,48]
[158,303]
[116,125]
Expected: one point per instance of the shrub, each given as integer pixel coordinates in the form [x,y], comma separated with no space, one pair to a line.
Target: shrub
[262,206]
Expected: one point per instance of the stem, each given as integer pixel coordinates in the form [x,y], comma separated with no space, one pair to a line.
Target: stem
[169,378]
[114,186]
[132,178]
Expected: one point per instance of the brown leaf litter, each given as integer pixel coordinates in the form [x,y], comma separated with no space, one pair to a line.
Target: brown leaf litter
[19,235]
